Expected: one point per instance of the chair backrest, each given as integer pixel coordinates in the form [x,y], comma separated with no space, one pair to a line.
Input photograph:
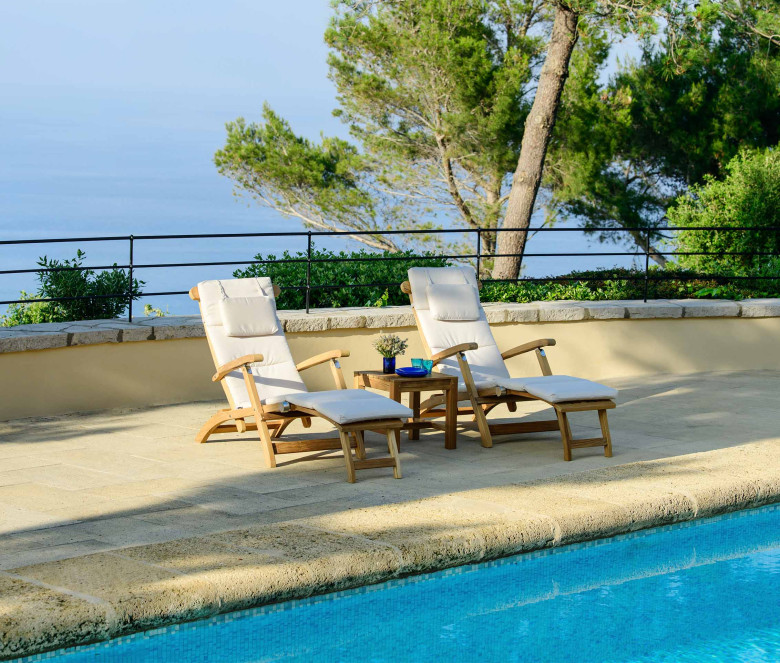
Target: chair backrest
[440,335]
[276,376]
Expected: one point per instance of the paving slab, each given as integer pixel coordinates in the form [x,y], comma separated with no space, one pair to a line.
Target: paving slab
[111,527]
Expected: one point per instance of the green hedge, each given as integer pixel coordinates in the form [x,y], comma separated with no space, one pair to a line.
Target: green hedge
[603,284]
[585,285]
[73,282]
[365,267]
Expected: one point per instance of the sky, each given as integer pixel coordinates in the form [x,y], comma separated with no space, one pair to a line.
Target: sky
[111,111]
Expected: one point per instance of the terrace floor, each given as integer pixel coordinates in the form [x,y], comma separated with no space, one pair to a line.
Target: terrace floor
[79,484]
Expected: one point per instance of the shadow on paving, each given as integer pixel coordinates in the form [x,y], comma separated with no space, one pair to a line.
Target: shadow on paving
[226,487]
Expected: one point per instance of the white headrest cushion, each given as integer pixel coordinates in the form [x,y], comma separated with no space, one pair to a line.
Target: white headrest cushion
[421,277]
[213,292]
[453,301]
[249,316]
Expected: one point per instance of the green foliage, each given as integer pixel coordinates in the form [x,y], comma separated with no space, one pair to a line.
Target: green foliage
[748,196]
[72,283]
[607,284]
[622,153]
[155,311]
[366,268]
[363,268]
[435,95]
[29,314]
[321,184]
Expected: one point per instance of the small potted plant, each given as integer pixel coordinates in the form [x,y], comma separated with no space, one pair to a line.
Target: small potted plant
[390,346]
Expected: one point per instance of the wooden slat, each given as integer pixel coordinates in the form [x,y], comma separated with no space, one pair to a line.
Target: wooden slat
[524,427]
[582,406]
[588,442]
[232,428]
[433,414]
[374,462]
[299,446]
[515,427]
[371,424]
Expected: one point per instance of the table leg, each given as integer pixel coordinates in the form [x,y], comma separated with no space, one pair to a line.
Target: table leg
[451,418]
[414,404]
[395,394]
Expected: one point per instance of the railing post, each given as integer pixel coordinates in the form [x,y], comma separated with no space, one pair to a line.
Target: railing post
[647,263]
[130,285]
[308,273]
[479,249]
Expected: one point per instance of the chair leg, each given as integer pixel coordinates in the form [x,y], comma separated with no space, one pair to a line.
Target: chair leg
[563,422]
[479,414]
[605,433]
[394,452]
[212,424]
[483,426]
[347,448]
[277,432]
[360,447]
[396,436]
[267,442]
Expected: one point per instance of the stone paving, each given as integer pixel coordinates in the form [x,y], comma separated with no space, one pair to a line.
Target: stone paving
[80,484]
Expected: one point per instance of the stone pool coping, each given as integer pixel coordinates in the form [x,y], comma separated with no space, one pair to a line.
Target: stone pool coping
[104,595]
[51,335]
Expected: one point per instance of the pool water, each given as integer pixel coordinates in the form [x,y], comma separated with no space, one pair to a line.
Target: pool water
[703,591]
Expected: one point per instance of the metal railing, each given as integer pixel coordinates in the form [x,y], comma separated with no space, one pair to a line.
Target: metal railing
[645,252]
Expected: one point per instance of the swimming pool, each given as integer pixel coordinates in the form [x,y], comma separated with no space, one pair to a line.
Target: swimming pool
[702,591]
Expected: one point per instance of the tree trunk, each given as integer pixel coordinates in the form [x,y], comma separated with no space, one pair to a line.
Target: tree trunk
[640,238]
[536,137]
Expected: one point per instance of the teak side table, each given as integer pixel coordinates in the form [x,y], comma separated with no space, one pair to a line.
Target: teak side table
[396,385]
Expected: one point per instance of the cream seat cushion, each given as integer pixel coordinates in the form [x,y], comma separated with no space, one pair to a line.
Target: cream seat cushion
[559,388]
[345,406]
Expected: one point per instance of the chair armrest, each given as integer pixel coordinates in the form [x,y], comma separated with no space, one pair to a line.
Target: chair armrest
[231,366]
[321,359]
[335,367]
[457,349]
[527,347]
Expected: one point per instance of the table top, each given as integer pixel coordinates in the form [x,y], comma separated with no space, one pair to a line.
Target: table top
[377,379]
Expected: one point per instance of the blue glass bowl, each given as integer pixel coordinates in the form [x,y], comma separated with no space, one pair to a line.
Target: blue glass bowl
[411,372]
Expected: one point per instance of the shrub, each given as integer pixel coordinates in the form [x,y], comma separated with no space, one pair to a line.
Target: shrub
[619,283]
[749,195]
[73,283]
[364,268]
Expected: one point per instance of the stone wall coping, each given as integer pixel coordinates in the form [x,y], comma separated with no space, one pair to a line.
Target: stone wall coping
[52,335]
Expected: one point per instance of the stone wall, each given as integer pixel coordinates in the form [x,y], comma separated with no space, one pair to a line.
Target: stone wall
[93,365]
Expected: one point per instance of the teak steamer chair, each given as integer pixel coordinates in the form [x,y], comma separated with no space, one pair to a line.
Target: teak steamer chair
[457,337]
[262,382]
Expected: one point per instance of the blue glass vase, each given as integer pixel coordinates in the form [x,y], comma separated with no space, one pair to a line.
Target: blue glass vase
[388,364]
